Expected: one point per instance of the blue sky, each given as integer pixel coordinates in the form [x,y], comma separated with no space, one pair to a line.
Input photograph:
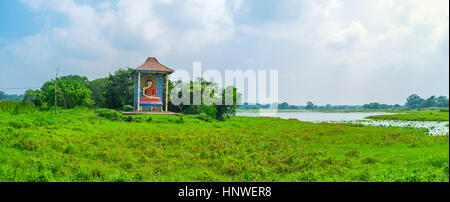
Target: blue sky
[21,23]
[326,51]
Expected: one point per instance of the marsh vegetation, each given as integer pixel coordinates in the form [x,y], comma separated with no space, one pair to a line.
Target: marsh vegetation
[87,145]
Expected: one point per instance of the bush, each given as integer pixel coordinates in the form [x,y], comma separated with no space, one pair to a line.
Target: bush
[128,119]
[114,115]
[209,110]
[109,114]
[138,119]
[20,124]
[204,117]
[180,119]
[128,108]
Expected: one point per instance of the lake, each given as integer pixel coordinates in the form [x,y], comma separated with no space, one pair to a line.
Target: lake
[317,116]
[433,127]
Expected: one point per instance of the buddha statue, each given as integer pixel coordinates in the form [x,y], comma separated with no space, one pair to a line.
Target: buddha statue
[149,91]
[149,94]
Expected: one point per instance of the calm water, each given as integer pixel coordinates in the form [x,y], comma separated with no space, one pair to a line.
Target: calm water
[433,127]
[318,116]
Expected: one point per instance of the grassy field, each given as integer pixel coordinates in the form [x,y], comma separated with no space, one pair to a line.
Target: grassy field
[416,116]
[78,145]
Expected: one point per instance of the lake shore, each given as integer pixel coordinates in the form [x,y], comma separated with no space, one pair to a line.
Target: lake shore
[434,123]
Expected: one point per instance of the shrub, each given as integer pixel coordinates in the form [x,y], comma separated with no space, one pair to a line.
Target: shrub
[20,124]
[352,153]
[26,144]
[204,117]
[128,119]
[128,108]
[114,115]
[180,119]
[209,110]
[138,119]
[109,114]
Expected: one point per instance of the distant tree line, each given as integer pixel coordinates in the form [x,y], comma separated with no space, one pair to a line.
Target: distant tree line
[4,96]
[413,102]
[309,106]
[376,105]
[116,91]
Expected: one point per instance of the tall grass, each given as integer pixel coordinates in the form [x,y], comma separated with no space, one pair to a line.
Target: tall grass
[15,107]
[84,145]
[415,115]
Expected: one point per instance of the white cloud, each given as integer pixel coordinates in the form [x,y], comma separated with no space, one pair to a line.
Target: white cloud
[329,51]
[346,38]
[128,30]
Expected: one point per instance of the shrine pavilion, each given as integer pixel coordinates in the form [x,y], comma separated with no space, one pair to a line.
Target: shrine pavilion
[151,81]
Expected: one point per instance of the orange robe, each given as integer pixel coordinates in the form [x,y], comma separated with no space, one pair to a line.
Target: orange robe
[150,91]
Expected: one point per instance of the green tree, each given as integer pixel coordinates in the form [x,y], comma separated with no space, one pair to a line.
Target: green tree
[372,105]
[98,88]
[36,97]
[283,105]
[310,105]
[119,89]
[414,101]
[70,93]
[430,102]
[81,79]
[223,110]
[217,95]
[442,101]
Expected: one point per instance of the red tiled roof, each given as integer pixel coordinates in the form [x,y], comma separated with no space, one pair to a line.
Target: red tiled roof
[152,64]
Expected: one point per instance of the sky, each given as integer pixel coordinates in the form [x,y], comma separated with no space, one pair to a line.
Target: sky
[327,51]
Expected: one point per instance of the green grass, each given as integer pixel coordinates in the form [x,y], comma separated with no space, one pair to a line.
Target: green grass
[79,145]
[416,116]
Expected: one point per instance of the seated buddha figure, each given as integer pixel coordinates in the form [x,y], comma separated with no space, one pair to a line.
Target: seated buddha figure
[149,93]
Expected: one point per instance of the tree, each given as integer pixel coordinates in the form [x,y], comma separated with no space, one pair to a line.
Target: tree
[430,102]
[34,96]
[2,95]
[442,101]
[119,89]
[224,110]
[310,105]
[372,105]
[283,105]
[218,95]
[414,101]
[81,79]
[98,88]
[70,93]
